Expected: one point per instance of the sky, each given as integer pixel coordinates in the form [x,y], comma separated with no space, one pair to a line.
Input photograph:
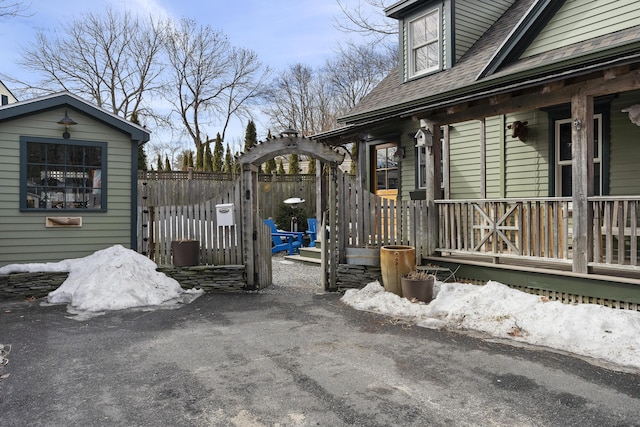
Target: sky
[600,335]
[281,32]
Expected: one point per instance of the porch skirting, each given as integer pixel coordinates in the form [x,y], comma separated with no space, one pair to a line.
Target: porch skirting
[603,288]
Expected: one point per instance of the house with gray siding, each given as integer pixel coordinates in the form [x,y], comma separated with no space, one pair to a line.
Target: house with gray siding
[518,122]
[68,179]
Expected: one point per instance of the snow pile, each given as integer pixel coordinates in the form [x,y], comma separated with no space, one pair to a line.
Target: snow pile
[610,335]
[115,278]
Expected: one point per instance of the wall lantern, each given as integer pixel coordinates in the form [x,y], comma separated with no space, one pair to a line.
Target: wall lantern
[424,138]
[67,122]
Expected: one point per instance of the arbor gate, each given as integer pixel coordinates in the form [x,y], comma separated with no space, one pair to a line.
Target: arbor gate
[252,225]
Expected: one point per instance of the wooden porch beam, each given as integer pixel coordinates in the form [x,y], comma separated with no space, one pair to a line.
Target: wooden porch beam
[546,95]
[582,180]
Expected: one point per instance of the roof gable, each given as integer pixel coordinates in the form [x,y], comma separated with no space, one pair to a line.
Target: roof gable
[62,99]
[494,64]
[530,24]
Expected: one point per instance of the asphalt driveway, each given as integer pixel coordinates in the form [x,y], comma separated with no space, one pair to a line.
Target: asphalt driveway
[287,357]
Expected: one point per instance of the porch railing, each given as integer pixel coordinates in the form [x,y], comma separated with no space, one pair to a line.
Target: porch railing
[615,231]
[540,228]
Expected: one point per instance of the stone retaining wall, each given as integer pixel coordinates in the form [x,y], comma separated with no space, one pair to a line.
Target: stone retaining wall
[29,285]
[218,278]
[223,278]
[357,276]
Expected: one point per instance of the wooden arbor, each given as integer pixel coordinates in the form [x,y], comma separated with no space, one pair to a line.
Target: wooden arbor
[288,143]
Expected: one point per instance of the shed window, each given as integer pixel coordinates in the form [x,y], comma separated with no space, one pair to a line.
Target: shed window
[424,43]
[62,175]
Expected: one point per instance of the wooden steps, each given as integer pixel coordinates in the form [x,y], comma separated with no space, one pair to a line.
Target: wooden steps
[311,255]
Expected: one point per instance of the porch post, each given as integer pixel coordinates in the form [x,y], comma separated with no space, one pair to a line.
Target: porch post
[332,284]
[250,221]
[433,190]
[582,180]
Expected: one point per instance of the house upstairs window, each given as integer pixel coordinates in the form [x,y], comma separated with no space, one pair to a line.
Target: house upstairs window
[62,175]
[424,43]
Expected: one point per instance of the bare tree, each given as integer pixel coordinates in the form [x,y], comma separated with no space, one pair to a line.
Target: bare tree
[212,80]
[300,97]
[354,71]
[112,59]
[13,7]
[367,19]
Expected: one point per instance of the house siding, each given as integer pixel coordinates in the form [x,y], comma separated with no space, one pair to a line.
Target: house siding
[23,235]
[510,163]
[464,170]
[580,20]
[527,163]
[624,155]
[473,18]
[493,153]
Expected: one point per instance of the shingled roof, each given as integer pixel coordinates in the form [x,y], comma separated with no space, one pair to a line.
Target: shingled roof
[487,66]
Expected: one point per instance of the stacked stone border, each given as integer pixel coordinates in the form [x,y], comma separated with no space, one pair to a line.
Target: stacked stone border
[225,278]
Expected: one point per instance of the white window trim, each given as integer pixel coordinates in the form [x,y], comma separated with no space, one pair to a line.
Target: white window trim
[410,47]
[597,161]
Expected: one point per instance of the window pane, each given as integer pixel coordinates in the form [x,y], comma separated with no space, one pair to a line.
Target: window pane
[431,26]
[381,159]
[565,141]
[75,155]
[596,135]
[93,156]
[55,154]
[392,179]
[419,31]
[566,180]
[36,152]
[381,180]
[426,57]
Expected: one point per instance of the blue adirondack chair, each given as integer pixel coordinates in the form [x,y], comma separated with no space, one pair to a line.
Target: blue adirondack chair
[312,231]
[284,240]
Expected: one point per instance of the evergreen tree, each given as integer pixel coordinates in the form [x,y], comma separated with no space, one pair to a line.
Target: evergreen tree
[200,157]
[218,154]
[354,154]
[251,139]
[280,167]
[312,166]
[207,162]
[167,164]
[185,160]
[159,161]
[270,166]
[294,164]
[250,136]
[142,155]
[228,161]
[237,168]
[191,163]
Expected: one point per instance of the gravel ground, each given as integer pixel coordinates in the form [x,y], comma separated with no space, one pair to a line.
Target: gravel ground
[290,277]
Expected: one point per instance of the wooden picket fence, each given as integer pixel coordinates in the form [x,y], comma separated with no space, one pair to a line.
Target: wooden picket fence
[372,221]
[162,224]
